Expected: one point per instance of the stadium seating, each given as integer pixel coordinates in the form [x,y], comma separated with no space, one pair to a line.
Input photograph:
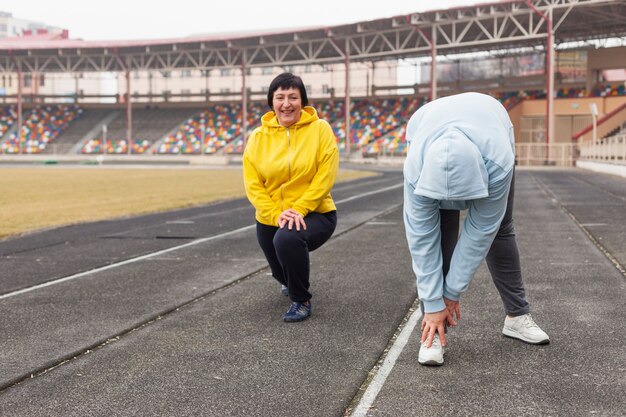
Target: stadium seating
[376,125]
[333,111]
[571,92]
[204,132]
[41,126]
[89,120]
[609,90]
[210,130]
[392,144]
[370,119]
[383,132]
[120,147]
[255,112]
[8,116]
[149,126]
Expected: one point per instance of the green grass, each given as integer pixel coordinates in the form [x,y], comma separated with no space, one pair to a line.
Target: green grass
[51,196]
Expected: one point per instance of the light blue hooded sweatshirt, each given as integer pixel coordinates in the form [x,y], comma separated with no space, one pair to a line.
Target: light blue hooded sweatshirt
[461,156]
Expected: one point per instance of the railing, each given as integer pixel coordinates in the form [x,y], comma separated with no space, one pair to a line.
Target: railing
[607,149]
[534,154]
[527,154]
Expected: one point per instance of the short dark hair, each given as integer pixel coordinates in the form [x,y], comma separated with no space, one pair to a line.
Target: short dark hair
[285,81]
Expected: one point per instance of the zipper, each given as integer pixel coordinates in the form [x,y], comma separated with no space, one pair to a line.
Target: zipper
[289,153]
[282,187]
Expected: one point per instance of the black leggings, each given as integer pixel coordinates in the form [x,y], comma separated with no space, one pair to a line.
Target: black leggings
[502,259]
[287,251]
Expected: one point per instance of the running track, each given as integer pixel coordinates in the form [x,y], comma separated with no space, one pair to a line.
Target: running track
[174,314]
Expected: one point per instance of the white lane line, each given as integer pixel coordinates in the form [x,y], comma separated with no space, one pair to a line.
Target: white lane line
[383,372]
[126,262]
[380,190]
[161,252]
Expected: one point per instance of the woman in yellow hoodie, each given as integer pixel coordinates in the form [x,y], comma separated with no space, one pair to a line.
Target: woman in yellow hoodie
[290,164]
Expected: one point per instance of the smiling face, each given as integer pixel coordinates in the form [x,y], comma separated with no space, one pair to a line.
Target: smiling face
[287,105]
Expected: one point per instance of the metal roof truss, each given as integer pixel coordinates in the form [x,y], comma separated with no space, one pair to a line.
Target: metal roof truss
[479,28]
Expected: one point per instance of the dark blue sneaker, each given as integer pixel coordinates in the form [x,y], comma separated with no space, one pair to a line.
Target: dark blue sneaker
[284,291]
[297,312]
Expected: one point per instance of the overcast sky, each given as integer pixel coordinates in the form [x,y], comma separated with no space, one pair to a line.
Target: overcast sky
[155,19]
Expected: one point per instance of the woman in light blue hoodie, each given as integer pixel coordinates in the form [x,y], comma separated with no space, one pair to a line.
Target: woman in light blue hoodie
[461,157]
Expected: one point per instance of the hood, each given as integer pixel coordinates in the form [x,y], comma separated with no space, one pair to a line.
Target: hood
[307,115]
[453,169]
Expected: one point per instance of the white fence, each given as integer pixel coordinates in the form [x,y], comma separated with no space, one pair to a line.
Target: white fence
[611,149]
[526,154]
[558,154]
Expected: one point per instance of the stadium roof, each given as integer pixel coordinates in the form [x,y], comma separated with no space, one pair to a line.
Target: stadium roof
[483,27]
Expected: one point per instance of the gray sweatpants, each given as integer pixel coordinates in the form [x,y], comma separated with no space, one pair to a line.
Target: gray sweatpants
[503,257]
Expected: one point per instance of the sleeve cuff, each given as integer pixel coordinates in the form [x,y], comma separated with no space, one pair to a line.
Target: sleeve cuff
[451,295]
[433,306]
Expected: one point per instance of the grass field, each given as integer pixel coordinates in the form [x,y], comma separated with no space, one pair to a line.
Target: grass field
[43,197]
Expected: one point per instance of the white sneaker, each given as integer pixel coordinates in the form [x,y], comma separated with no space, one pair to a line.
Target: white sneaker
[433,355]
[524,328]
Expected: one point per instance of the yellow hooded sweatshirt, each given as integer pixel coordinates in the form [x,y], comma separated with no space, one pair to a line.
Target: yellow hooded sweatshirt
[291,167]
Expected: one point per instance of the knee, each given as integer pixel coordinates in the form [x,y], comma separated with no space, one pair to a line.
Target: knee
[506,228]
[286,240]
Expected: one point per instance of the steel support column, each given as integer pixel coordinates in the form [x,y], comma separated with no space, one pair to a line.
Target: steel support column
[244,102]
[19,110]
[129,114]
[346,58]
[549,78]
[347,103]
[432,95]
